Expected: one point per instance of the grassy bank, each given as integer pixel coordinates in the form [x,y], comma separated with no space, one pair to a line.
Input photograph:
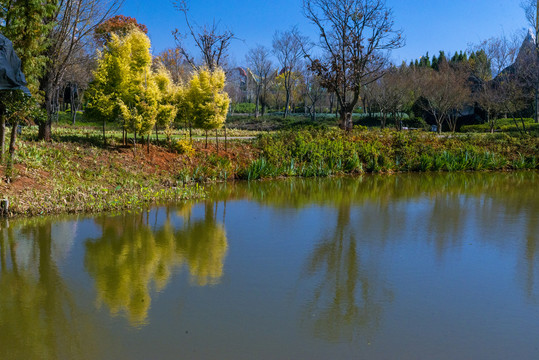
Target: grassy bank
[77,174]
[332,152]
[70,177]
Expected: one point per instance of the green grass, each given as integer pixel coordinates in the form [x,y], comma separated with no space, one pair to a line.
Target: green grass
[75,173]
[331,152]
[504,125]
[83,178]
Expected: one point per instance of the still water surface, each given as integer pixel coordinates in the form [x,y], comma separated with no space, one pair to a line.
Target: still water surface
[413,266]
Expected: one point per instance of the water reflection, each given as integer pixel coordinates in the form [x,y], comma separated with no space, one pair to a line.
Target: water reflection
[349,298]
[361,257]
[38,313]
[137,253]
[439,209]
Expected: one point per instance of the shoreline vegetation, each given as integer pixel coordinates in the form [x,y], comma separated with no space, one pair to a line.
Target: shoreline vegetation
[77,174]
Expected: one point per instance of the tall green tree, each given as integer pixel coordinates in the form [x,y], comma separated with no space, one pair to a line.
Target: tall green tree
[25,24]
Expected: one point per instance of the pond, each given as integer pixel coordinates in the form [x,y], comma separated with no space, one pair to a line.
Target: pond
[408,266]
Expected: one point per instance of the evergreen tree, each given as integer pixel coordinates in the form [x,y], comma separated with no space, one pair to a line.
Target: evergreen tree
[25,24]
[434,63]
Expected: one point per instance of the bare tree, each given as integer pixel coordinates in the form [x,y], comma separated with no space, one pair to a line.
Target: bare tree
[514,97]
[210,41]
[401,90]
[490,97]
[531,9]
[260,67]
[377,93]
[501,51]
[173,61]
[355,36]
[313,91]
[76,80]
[444,94]
[288,47]
[75,22]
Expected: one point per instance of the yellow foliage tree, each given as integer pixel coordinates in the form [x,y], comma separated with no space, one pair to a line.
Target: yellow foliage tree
[124,86]
[167,107]
[207,102]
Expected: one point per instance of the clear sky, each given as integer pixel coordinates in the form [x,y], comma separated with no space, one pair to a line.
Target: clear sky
[428,25]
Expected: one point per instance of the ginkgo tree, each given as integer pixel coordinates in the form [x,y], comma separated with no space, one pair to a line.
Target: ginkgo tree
[207,102]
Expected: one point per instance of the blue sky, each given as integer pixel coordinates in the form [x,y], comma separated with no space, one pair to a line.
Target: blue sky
[428,25]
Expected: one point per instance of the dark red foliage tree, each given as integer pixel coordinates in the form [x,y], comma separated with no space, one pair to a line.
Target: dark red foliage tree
[119,25]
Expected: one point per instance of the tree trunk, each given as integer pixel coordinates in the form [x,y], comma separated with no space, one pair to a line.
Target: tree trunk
[124,134]
[536,114]
[206,139]
[2,136]
[217,141]
[148,143]
[345,120]
[257,101]
[14,127]
[156,134]
[287,103]
[73,107]
[135,143]
[104,134]
[523,125]
[264,92]
[44,132]
[226,146]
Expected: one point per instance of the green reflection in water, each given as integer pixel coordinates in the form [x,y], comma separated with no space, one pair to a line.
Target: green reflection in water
[131,255]
[38,313]
[350,294]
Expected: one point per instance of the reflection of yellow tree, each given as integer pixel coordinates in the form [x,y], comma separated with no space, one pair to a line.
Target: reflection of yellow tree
[38,317]
[130,256]
[204,248]
[124,261]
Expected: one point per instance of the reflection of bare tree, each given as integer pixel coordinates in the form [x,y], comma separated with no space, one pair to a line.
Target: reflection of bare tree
[132,255]
[38,316]
[349,300]
[532,253]
[445,208]
[449,212]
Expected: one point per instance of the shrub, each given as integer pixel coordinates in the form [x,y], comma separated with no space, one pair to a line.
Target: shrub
[505,125]
[415,123]
[244,108]
[184,147]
